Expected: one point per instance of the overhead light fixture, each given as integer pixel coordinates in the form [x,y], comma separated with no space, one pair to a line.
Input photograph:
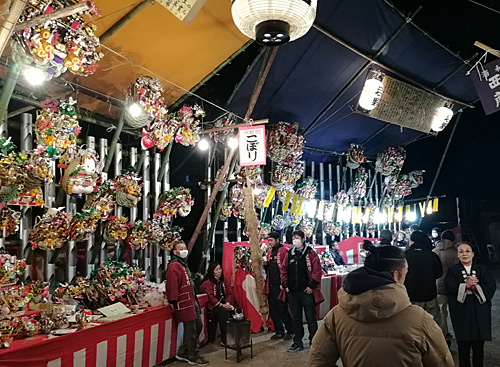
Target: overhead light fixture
[274,22]
[232,142]
[135,109]
[442,118]
[411,217]
[34,76]
[372,92]
[203,144]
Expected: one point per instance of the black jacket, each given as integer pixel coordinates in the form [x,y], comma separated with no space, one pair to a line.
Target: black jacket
[424,267]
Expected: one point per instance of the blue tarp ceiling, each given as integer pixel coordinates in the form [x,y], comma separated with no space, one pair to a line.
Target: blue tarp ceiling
[308,73]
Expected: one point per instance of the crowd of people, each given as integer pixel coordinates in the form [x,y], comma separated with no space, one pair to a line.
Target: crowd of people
[394,308]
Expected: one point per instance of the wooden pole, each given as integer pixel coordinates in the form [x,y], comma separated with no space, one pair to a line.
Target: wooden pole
[486,48]
[114,142]
[236,126]
[225,168]
[16,8]
[65,12]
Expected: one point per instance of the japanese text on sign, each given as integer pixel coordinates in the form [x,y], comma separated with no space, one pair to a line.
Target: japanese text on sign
[486,79]
[252,143]
[185,10]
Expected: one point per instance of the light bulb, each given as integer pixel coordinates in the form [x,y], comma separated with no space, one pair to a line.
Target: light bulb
[135,109]
[257,191]
[232,142]
[380,217]
[34,76]
[411,217]
[203,144]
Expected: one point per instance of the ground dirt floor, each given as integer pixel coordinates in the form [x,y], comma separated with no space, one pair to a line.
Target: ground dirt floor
[274,353]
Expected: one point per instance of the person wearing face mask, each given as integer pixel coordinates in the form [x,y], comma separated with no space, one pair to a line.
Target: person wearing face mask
[470,289]
[180,294]
[375,323]
[301,280]
[220,299]
[435,235]
[277,308]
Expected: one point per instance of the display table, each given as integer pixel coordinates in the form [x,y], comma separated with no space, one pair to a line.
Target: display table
[140,340]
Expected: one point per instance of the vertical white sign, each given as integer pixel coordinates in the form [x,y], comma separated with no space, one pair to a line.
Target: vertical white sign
[252,144]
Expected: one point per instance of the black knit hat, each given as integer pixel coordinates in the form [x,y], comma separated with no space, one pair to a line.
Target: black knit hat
[274,235]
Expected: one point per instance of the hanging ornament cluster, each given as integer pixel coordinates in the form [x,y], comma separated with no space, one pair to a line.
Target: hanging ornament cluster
[390,162]
[360,183]
[83,225]
[265,229]
[56,126]
[416,178]
[58,45]
[285,143]
[221,136]
[307,226]
[140,235]
[308,188]
[103,200]
[13,176]
[11,268]
[51,231]
[145,102]
[9,221]
[284,190]
[342,198]
[242,258]
[164,234]
[251,174]
[278,222]
[332,229]
[175,201]
[226,211]
[237,199]
[286,173]
[188,133]
[38,166]
[127,188]
[260,194]
[82,173]
[355,156]
[397,187]
[116,228]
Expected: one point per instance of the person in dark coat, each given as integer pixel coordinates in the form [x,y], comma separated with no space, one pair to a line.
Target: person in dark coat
[277,308]
[386,237]
[220,301]
[337,256]
[424,268]
[180,294]
[435,235]
[470,288]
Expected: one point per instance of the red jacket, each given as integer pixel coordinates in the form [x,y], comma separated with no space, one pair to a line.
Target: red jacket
[180,293]
[282,253]
[210,288]
[313,269]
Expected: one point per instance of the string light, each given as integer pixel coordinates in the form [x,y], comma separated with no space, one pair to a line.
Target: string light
[34,76]
[203,144]
[232,142]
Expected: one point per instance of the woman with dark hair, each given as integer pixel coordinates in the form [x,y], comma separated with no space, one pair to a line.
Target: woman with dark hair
[220,297]
[470,288]
[375,323]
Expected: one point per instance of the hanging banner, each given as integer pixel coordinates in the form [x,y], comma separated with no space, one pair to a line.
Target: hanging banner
[252,144]
[185,10]
[269,196]
[486,79]
[288,199]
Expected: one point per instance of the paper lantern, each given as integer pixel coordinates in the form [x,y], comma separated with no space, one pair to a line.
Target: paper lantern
[274,22]
[371,93]
[441,118]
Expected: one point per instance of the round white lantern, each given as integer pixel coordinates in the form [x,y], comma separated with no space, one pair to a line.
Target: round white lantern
[371,93]
[274,22]
[441,118]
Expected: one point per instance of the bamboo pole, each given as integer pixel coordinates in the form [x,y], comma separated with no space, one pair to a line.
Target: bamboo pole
[133,210]
[16,8]
[26,212]
[89,253]
[5,96]
[124,20]
[61,13]
[114,143]
[487,48]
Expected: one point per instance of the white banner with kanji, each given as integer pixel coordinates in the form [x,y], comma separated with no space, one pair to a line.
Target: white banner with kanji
[252,143]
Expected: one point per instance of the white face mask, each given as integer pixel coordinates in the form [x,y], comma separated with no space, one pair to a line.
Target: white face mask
[297,243]
[183,253]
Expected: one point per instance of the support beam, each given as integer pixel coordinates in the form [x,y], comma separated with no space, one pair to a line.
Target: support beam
[222,175]
[165,163]
[7,28]
[443,157]
[114,142]
[234,126]
[124,20]
[486,48]
[388,68]
[61,13]
[6,95]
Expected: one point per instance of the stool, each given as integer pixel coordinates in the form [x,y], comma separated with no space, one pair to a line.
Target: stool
[238,337]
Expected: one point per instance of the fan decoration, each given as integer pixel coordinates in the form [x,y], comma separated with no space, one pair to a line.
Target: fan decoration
[145,101]
[278,223]
[284,190]
[83,172]
[397,186]
[307,226]
[38,167]
[58,45]
[56,126]
[416,178]
[140,235]
[236,198]
[332,229]
[221,136]
[226,211]
[360,183]
[286,173]
[285,143]
[9,221]
[251,174]
[116,228]
[308,188]
[355,156]
[189,132]
[175,201]
[11,268]
[83,225]
[391,161]
[127,188]
[342,198]
[13,176]
[103,200]
[265,229]
[51,231]
[163,234]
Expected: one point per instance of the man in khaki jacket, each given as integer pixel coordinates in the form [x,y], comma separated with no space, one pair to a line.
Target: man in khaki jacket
[375,325]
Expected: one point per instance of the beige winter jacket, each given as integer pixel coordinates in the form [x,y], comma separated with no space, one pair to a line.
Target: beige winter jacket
[379,328]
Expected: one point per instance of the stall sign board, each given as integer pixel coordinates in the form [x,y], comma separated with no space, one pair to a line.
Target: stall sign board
[185,10]
[252,144]
[486,79]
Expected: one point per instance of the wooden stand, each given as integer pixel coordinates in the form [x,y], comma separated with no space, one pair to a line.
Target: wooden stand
[238,337]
